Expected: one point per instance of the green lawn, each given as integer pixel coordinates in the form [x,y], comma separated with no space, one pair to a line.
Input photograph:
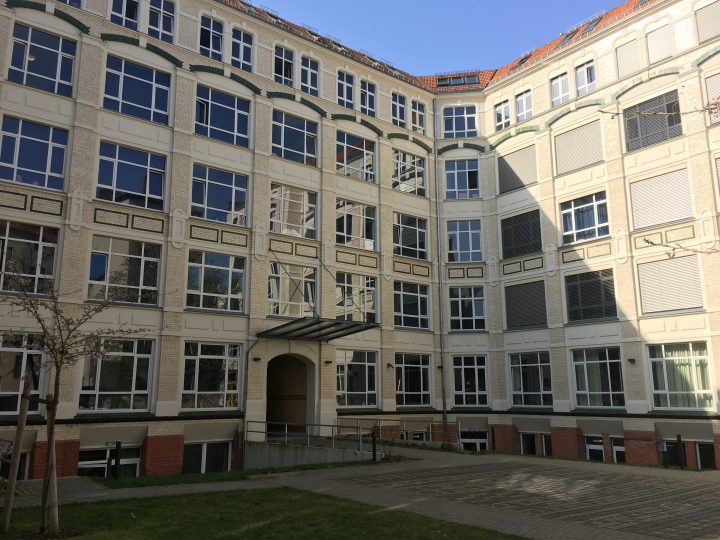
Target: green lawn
[281,514]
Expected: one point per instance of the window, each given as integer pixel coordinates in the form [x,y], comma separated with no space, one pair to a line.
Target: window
[523,106]
[457,80]
[462,179]
[27,257]
[467,308]
[397,110]
[211,38]
[409,235]
[345,90]
[283,66]
[32,153]
[502,115]
[294,138]
[525,305]
[354,224]
[411,305]
[521,234]
[591,295]
[367,98]
[517,169]
[681,376]
[130,176]
[569,158]
[661,199]
[291,290]
[591,25]
[412,379]
[585,78]
[598,377]
[125,13]
[567,37]
[211,376]
[594,449]
[119,377]
[292,211]
[459,122]
[18,355]
[531,379]
[41,60]
[215,281]
[219,195]
[470,381]
[628,58]
[417,117]
[660,43]
[207,457]
[355,157]
[559,90]
[101,462]
[408,173]
[241,53]
[356,378]
[473,440]
[162,20]
[706,19]
[355,297]
[670,285]
[221,116]
[135,90]
[309,76]
[585,218]
[464,241]
[124,270]
[652,121]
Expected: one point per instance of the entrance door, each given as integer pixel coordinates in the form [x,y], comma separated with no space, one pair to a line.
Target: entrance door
[287,391]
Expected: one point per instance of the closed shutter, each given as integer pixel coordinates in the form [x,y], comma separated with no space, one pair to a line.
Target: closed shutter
[525,305]
[661,199]
[628,58]
[521,234]
[670,284]
[578,148]
[708,21]
[517,170]
[660,43]
[713,93]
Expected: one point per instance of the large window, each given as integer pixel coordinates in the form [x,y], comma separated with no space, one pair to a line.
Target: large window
[462,179]
[309,76]
[241,53]
[525,305]
[221,116]
[136,90]
[411,308]
[346,90]
[131,176]
[598,377]
[459,122]
[356,378]
[294,138]
[219,195]
[523,106]
[291,290]
[670,284]
[398,108]
[521,234]
[464,241]
[207,457]
[211,38]
[215,281]
[681,376]
[587,137]
[591,295]
[162,20]
[355,224]
[585,78]
[292,211]
[355,157]
[517,169]
[412,379]
[367,98]
[467,308]
[408,173]
[652,121]
[531,379]
[100,462]
[125,13]
[27,257]
[585,218]
[18,355]
[661,199]
[124,270]
[410,236]
[283,66]
[41,60]
[417,117]
[559,90]
[119,377]
[32,153]
[502,115]
[470,381]
[211,376]
[355,297]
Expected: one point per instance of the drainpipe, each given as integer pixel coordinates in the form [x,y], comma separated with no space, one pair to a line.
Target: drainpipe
[245,392]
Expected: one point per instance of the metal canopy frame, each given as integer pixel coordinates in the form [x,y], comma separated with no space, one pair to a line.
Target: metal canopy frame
[316,329]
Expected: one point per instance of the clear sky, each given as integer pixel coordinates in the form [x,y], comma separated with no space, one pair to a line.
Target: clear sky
[425,37]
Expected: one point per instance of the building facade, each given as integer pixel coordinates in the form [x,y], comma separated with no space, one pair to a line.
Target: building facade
[527,252]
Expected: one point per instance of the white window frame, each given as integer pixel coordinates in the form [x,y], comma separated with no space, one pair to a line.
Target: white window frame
[355,301]
[502,115]
[200,263]
[244,41]
[309,154]
[568,211]
[284,280]
[541,366]
[162,12]
[368,97]
[203,461]
[110,456]
[23,346]
[559,90]
[163,115]
[346,214]
[696,392]
[402,223]
[398,110]
[192,398]
[419,294]
[470,370]
[611,393]
[287,200]
[461,318]
[35,280]
[361,363]
[409,172]
[523,106]
[417,116]
[309,75]
[210,51]
[239,194]
[346,90]
[286,58]
[459,230]
[351,150]
[458,176]
[460,121]
[212,107]
[585,78]
[411,361]
[122,17]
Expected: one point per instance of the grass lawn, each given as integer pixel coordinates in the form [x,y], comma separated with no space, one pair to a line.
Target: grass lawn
[280,513]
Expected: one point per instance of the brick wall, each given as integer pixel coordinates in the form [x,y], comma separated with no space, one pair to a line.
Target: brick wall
[691,455]
[162,455]
[641,448]
[505,438]
[607,449]
[66,458]
[567,443]
[445,434]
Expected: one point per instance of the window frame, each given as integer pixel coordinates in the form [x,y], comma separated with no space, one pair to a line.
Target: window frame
[239,189]
[347,147]
[346,287]
[344,360]
[587,69]
[459,177]
[402,225]
[232,355]
[454,248]
[368,98]
[203,455]
[645,139]
[556,87]
[25,348]
[598,205]
[605,282]
[525,248]
[216,37]
[309,154]
[398,109]
[284,59]
[306,283]
[368,220]
[502,115]
[155,112]
[695,392]
[121,17]
[409,293]
[159,31]
[541,369]
[281,197]
[242,49]
[211,104]
[616,397]
[417,116]
[477,366]
[461,121]
[407,164]
[463,319]
[41,279]
[309,76]
[206,266]
[523,106]
[404,362]
[346,89]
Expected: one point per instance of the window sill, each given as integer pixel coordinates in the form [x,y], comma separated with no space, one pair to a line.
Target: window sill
[584,243]
[128,206]
[619,411]
[531,409]
[201,413]
[501,193]
[592,321]
[295,237]
[677,412]
[216,222]
[124,304]
[644,230]
[479,331]
[471,409]
[364,250]
[408,258]
[411,329]
[360,409]
[316,167]
[457,263]
[220,141]
[526,328]
[41,189]
[674,313]
[214,312]
[168,125]
[635,150]
[588,166]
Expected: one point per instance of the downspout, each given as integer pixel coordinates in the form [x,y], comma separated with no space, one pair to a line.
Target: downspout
[244,397]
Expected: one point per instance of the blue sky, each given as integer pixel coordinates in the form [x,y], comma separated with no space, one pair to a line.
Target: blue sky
[466,34]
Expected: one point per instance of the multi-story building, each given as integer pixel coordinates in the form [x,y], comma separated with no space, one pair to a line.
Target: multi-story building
[313,236]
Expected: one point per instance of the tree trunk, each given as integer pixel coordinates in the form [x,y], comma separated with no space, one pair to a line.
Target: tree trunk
[51,522]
